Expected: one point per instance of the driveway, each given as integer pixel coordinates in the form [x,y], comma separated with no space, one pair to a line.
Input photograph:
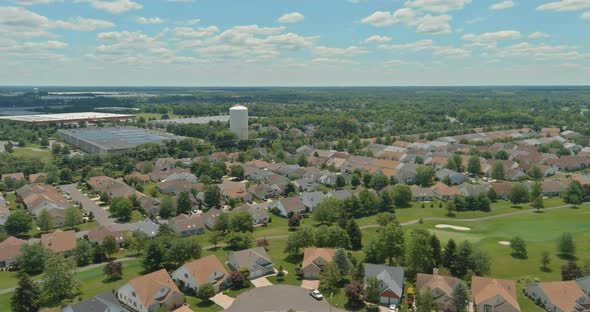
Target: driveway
[310,284]
[260,282]
[279,298]
[101,215]
[222,300]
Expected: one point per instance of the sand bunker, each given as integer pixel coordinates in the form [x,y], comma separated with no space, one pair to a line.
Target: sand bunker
[454,227]
[505,243]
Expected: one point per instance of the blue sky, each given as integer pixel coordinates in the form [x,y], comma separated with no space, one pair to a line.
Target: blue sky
[294,42]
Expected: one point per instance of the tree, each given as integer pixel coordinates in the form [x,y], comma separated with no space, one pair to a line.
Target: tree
[519,194]
[302,160]
[482,263]
[436,250]
[293,221]
[425,176]
[451,207]
[373,289]
[121,208]
[474,165]
[167,208]
[498,171]
[502,155]
[27,296]
[180,251]
[72,216]
[545,261]
[222,223]
[424,301]
[138,241]
[341,260]
[384,218]
[83,253]
[237,172]
[367,179]
[215,237]
[537,203]
[565,246]
[45,220]
[296,241]
[340,181]
[212,196]
[492,195]
[331,236]
[9,148]
[518,246]
[206,291]
[110,245]
[65,175]
[449,259]
[237,279]
[18,222]
[184,203]
[355,234]
[536,173]
[60,280]
[461,296]
[327,210]
[154,256]
[570,271]
[330,278]
[32,259]
[402,195]
[355,293]
[355,180]
[464,259]
[574,194]
[420,253]
[241,221]
[390,242]
[536,190]
[379,181]
[114,270]
[239,240]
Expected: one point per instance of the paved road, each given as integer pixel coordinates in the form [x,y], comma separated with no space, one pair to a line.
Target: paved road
[82,269]
[100,215]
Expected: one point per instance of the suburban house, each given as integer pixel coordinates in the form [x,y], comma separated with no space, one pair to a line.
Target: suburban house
[406,173]
[37,197]
[187,225]
[454,177]
[262,191]
[99,234]
[314,260]
[148,227]
[311,199]
[441,288]
[421,193]
[502,189]
[391,282]
[445,192]
[37,177]
[565,296]
[149,292]
[255,259]
[105,302]
[116,188]
[257,211]
[4,211]
[10,251]
[178,186]
[198,272]
[490,294]
[210,217]
[553,187]
[290,204]
[234,190]
[59,242]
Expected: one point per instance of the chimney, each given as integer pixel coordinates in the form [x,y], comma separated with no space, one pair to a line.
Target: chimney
[435,271]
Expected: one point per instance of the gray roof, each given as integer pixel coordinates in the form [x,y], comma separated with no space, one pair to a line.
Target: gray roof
[252,258]
[340,194]
[584,283]
[105,302]
[392,277]
[311,199]
[257,211]
[149,227]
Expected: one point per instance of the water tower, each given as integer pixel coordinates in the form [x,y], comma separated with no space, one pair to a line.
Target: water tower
[238,121]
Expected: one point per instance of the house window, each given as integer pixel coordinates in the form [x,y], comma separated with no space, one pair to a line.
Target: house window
[487,308]
[133,294]
[185,275]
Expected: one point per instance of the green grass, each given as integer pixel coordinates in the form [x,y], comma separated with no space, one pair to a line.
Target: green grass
[33,152]
[234,293]
[80,227]
[197,304]
[136,216]
[11,200]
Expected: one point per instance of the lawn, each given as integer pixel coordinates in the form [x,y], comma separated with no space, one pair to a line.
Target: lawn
[197,304]
[33,152]
[34,232]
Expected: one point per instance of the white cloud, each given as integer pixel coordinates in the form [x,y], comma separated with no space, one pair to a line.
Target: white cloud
[428,45]
[84,24]
[386,18]
[149,20]
[436,25]
[502,5]
[350,51]
[421,45]
[542,52]
[565,5]
[291,18]
[114,6]
[378,39]
[34,2]
[32,46]
[188,32]
[396,63]
[538,35]
[332,61]
[128,43]
[438,6]
[494,36]
[475,20]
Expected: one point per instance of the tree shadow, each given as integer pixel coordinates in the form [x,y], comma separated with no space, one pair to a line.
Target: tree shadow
[567,257]
[517,256]
[451,215]
[111,279]
[516,206]
[546,270]
[354,306]
[539,211]
[205,304]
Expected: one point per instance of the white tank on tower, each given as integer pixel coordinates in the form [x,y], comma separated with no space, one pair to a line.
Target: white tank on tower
[238,121]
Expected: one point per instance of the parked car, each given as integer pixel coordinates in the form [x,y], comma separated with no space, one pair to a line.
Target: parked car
[316,294]
[392,308]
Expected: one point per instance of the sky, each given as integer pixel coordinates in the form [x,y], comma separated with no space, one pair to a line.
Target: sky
[294,42]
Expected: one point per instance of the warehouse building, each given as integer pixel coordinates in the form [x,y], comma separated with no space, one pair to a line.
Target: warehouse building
[112,140]
[68,118]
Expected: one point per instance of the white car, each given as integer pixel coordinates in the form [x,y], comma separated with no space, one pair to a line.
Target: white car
[316,294]
[392,308]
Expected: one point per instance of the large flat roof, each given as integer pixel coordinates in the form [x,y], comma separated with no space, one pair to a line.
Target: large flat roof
[67,117]
[117,138]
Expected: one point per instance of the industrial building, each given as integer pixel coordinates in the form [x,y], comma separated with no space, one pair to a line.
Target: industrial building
[238,121]
[112,140]
[68,118]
